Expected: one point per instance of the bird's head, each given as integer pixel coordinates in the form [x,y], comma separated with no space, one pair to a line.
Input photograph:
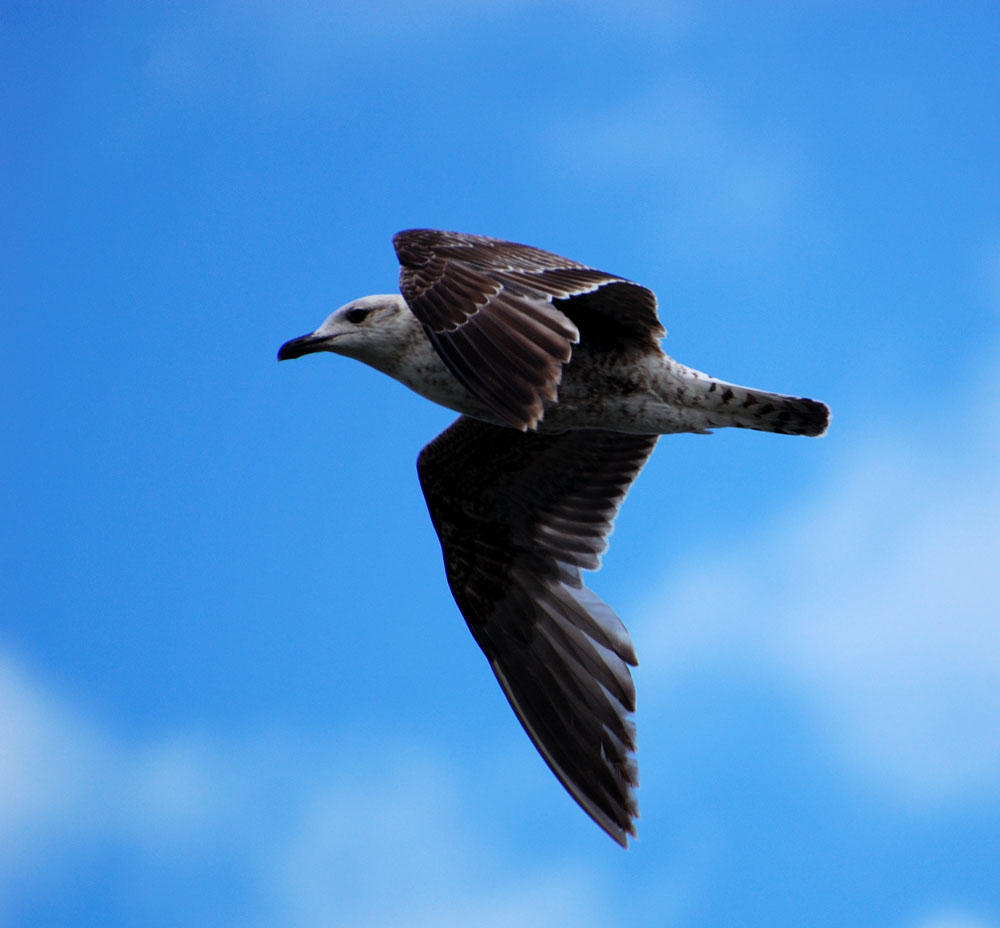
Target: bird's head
[373,329]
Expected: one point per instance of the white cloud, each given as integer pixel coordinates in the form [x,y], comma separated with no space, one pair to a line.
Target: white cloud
[877,604]
[953,919]
[322,834]
[400,855]
[67,789]
[50,776]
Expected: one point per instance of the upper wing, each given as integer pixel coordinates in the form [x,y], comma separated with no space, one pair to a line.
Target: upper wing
[487,307]
[519,515]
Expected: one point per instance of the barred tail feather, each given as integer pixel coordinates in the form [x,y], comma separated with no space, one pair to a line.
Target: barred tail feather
[726,404]
[788,415]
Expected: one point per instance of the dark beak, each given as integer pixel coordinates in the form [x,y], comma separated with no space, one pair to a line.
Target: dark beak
[304,344]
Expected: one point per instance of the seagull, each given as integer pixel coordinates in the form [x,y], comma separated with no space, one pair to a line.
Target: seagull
[563,390]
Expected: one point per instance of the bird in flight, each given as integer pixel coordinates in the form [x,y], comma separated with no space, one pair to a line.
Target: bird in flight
[563,390]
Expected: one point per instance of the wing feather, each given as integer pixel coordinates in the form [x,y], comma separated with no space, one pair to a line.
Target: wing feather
[514,295]
[518,515]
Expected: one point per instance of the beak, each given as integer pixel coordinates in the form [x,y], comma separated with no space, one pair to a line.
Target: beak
[304,344]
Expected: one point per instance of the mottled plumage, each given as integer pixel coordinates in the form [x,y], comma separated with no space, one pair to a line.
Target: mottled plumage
[563,389]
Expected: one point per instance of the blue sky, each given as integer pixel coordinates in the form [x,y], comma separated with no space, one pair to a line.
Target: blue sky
[234,688]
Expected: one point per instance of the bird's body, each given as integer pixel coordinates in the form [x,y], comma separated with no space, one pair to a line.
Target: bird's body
[563,389]
[635,389]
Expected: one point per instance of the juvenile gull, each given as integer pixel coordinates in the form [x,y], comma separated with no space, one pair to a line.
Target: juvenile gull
[557,371]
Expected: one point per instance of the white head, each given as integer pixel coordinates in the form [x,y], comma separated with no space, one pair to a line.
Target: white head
[374,329]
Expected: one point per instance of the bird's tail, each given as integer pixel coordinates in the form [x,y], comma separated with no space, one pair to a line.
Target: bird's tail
[726,404]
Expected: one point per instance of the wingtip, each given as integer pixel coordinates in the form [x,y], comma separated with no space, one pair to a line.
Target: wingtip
[621,834]
[620,825]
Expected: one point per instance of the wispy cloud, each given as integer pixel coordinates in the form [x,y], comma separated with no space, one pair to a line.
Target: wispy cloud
[392,851]
[291,45]
[313,829]
[953,919]
[876,602]
[51,775]
[700,170]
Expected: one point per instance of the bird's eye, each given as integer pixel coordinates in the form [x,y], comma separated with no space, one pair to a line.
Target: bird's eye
[357,315]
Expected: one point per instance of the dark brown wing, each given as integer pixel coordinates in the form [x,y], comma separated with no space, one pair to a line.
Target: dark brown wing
[504,317]
[519,514]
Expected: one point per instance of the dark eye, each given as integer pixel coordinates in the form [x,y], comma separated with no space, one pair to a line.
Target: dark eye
[357,315]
